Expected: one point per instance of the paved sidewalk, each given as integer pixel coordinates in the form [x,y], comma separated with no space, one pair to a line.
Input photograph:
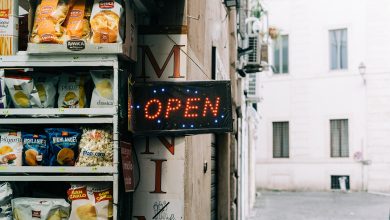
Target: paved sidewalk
[321,206]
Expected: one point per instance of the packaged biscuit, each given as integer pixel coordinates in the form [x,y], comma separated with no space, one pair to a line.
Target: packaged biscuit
[63,145]
[96,147]
[49,16]
[22,90]
[91,201]
[35,149]
[40,208]
[71,91]
[105,21]
[102,96]
[46,86]
[77,21]
[3,96]
[5,201]
[10,148]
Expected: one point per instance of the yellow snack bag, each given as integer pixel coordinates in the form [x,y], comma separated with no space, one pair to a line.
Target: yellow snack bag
[71,91]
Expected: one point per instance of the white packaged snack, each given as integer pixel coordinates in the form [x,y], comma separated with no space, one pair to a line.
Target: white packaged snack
[96,148]
[39,208]
[71,91]
[46,85]
[3,97]
[91,201]
[22,91]
[105,21]
[11,147]
[5,201]
[102,96]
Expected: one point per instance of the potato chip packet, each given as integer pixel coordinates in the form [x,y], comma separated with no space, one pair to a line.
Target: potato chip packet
[22,90]
[35,149]
[46,85]
[102,96]
[71,91]
[40,208]
[3,96]
[10,148]
[63,146]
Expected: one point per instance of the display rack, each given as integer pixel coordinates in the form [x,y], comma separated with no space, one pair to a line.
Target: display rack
[65,116]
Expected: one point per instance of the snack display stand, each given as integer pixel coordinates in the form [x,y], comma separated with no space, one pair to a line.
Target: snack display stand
[51,116]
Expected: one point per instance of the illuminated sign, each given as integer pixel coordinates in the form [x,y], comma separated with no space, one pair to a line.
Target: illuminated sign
[177,108]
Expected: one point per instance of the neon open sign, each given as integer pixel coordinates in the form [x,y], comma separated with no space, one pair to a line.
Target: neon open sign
[177,108]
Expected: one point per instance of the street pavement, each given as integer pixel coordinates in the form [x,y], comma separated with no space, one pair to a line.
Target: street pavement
[321,206]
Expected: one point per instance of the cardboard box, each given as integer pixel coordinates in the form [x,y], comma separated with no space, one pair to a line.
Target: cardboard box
[128,49]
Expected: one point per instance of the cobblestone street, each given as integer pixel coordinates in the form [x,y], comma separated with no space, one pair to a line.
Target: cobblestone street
[321,206]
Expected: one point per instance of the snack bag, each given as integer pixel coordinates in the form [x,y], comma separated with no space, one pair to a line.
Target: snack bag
[5,201]
[3,97]
[105,19]
[96,148]
[77,22]
[39,208]
[49,16]
[63,146]
[92,201]
[46,86]
[22,90]
[35,149]
[10,149]
[71,91]
[102,96]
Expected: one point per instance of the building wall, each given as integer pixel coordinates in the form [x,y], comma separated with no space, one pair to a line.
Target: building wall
[311,94]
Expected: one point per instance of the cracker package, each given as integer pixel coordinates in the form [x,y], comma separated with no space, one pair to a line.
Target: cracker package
[3,96]
[35,149]
[9,12]
[77,21]
[22,90]
[71,91]
[96,147]
[46,86]
[105,21]
[63,146]
[49,16]
[102,96]
[39,208]
[91,201]
[5,201]
[10,148]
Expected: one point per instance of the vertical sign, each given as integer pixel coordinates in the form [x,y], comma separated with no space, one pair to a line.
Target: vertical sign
[160,194]
[127,166]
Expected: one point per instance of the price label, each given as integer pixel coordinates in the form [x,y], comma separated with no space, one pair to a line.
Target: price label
[2,168]
[62,169]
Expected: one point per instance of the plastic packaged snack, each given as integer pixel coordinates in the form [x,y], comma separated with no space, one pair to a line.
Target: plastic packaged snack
[63,146]
[77,21]
[96,147]
[49,16]
[5,201]
[71,91]
[102,96]
[3,96]
[22,90]
[10,148]
[40,208]
[46,86]
[35,149]
[91,201]
[105,20]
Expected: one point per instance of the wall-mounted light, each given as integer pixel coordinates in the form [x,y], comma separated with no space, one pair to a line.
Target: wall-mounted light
[362,70]
[230,3]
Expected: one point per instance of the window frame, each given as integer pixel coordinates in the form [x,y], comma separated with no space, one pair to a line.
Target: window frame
[282,153]
[279,44]
[340,152]
[330,49]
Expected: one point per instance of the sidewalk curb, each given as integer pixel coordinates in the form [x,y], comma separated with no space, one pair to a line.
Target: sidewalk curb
[380,193]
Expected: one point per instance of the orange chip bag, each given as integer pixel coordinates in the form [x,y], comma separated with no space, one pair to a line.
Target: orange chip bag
[77,24]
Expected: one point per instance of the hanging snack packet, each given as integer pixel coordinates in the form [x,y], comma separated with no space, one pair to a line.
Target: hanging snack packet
[5,201]
[10,148]
[63,146]
[40,208]
[3,97]
[96,148]
[77,22]
[102,96]
[105,21]
[35,149]
[49,16]
[71,91]
[91,201]
[22,90]
[46,86]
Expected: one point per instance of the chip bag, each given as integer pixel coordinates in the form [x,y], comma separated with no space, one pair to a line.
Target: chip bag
[63,146]
[10,148]
[46,86]
[6,194]
[3,96]
[77,22]
[71,91]
[105,21]
[40,208]
[102,96]
[22,90]
[35,149]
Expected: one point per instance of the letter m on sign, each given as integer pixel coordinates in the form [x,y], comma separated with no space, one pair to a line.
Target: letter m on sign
[146,52]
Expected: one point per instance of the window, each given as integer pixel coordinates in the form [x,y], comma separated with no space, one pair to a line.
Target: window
[280,139]
[338,49]
[335,182]
[281,55]
[339,138]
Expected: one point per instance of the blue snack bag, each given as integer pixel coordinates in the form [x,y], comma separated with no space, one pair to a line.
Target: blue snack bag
[63,146]
[35,149]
